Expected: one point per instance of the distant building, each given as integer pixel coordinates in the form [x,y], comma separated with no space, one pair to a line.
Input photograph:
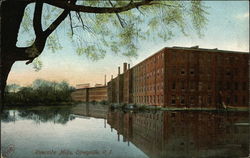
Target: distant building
[98,85]
[90,94]
[185,77]
[85,85]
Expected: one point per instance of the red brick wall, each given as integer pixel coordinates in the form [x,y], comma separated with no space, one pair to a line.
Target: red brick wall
[98,93]
[198,78]
[79,95]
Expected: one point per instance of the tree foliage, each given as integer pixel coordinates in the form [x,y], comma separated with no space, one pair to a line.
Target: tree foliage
[93,34]
[41,91]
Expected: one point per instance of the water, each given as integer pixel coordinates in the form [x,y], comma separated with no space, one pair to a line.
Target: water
[92,131]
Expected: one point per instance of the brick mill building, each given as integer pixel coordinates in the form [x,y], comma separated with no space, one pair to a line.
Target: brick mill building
[88,94]
[185,77]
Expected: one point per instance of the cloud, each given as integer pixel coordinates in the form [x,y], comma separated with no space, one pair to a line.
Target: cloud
[242,16]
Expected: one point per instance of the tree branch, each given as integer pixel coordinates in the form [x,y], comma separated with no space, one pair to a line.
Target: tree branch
[37,20]
[80,18]
[118,16]
[33,51]
[56,23]
[59,19]
[71,24]
[101,10]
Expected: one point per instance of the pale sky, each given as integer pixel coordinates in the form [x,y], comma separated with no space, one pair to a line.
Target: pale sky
[227,29]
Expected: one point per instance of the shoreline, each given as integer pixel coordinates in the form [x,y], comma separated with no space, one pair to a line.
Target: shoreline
[128,107]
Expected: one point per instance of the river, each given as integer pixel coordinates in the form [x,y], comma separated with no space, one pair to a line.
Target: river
[93,131]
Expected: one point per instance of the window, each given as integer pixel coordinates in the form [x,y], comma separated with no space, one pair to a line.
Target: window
[228,73]
[182,85]
[191,71]
[243,100]
[228,100]
[228,86]
[244,86]
[231,59]
[173,85]
[173,101]
[200,100]
[192,85]
[172,114]
[209,86]
[235,99]
[236,72]
[182,100]
[200,85]
[192,100]
[236,85]
[209,100]
[220,85]
[182,71]
[218,100]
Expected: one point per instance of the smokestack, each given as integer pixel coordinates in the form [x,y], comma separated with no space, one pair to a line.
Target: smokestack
[119,70]
[111,77]
[128,66]
[124,67]
[105,82]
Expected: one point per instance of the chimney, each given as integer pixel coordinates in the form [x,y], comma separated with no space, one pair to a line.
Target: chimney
[128,66]
[119,70]
[111,77]
[105,80]
[124,67]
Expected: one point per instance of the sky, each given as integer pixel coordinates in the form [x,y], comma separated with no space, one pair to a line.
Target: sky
[227,29]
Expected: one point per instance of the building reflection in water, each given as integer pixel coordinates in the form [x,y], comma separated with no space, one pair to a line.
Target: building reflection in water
[184,134]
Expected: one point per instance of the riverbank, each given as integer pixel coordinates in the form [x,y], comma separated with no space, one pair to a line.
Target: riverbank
[136,107]
[125,107]
[31,105]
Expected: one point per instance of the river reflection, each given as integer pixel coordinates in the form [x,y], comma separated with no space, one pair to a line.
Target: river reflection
[185,134]
[55,115]
[95,131]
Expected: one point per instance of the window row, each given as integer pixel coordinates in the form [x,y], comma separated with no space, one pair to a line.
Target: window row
[149,88]
[208,100]
[231,85]
[158,99]
[207,86]
[182,85]
[147,75]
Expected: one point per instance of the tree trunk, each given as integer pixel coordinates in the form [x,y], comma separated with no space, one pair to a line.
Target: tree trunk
[6,67]
[12,12]
[11,16]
